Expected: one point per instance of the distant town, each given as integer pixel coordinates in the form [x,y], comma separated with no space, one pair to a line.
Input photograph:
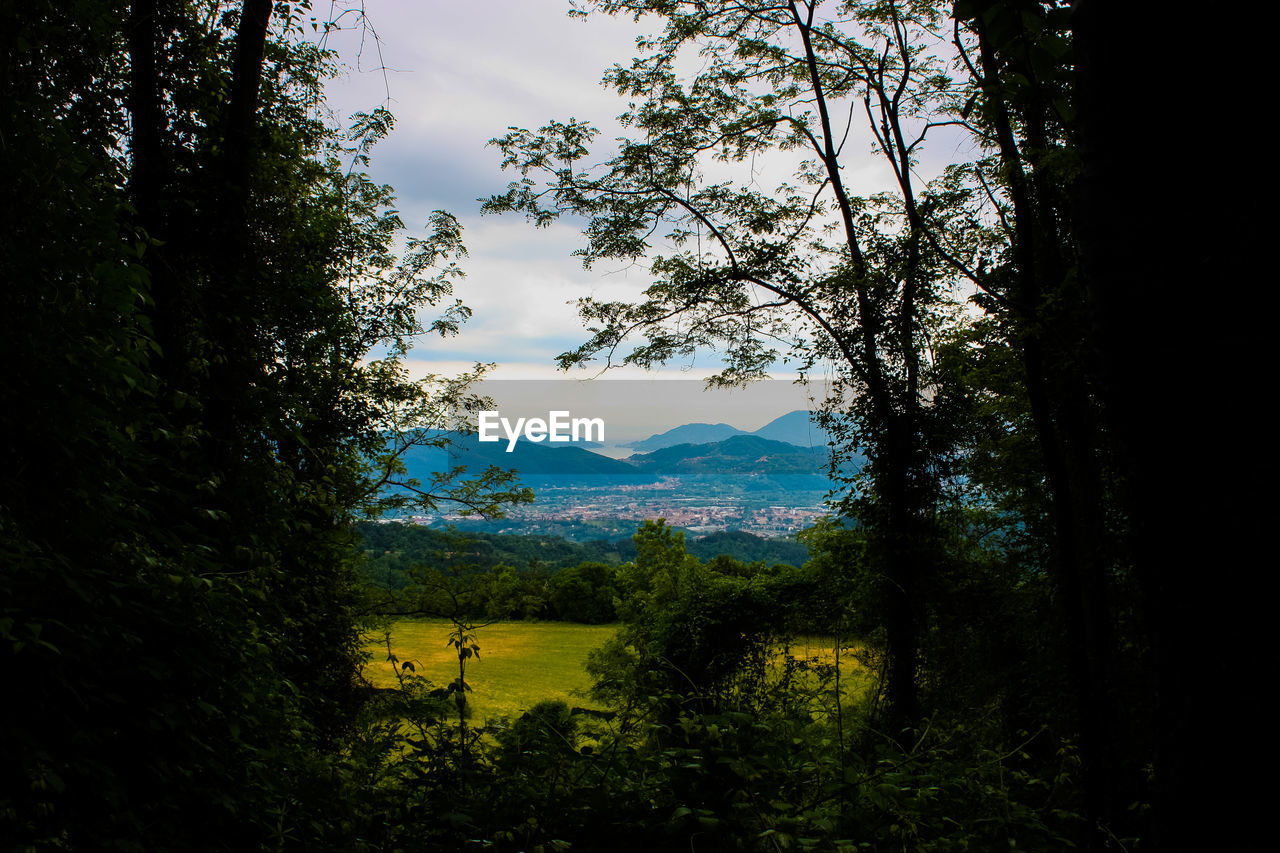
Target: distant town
[617,509]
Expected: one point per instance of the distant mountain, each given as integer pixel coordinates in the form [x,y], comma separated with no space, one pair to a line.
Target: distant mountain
[539,458]
[795,428]
[529,458]
[801,452]
[739,454]
[686,434]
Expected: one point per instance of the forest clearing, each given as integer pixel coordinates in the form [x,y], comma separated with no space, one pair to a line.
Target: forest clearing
[522,663]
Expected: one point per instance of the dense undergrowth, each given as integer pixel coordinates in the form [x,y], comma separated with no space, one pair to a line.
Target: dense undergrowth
[711,737]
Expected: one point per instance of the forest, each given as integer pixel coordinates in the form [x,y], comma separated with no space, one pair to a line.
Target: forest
[1047,568]
[481,576]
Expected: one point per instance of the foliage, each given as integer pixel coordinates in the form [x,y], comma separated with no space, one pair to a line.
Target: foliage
[993,560]
[199,284]
[394,548]
[723,749]
[498,576]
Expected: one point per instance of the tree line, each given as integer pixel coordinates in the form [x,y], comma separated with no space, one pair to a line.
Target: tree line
[479,577]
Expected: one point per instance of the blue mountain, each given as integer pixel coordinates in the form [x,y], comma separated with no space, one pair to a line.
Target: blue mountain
[737,455]
[795,428]
[527,457]
[686,434]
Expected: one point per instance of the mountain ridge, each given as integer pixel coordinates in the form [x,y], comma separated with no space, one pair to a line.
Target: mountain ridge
[795,427]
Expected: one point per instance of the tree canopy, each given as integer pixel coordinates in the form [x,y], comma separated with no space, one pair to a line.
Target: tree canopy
[206,318]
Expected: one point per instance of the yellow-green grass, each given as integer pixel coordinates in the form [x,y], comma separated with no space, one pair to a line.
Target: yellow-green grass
[520,663]
[523,663]
[857,682]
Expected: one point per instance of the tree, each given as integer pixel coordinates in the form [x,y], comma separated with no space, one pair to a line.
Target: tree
[197,274]
[584,593]
[1019,60]
[1073,296]
[809,269]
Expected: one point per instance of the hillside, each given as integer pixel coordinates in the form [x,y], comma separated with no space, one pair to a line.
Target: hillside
[737,455]
[686,434]
[795,428]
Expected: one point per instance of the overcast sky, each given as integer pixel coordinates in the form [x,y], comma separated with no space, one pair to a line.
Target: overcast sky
[457,75]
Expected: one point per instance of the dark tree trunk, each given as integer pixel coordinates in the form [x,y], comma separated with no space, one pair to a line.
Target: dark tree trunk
[234,295]
[1046,314]
[145,117]
[905,547]
[242,103]
[902,546]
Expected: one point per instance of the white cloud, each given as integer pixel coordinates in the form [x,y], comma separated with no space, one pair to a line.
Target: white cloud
[460,74]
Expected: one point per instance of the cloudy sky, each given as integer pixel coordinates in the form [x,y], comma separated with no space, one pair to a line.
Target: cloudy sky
[458,74]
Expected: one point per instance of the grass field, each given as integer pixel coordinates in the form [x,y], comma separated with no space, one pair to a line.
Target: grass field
[523,663]
[520,664]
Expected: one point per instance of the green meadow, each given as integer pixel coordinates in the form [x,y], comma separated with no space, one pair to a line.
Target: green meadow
[520,663]
[523,663]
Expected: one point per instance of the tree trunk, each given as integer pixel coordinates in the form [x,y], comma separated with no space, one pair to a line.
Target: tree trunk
[1051,340]
[901,551]
[234,294]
